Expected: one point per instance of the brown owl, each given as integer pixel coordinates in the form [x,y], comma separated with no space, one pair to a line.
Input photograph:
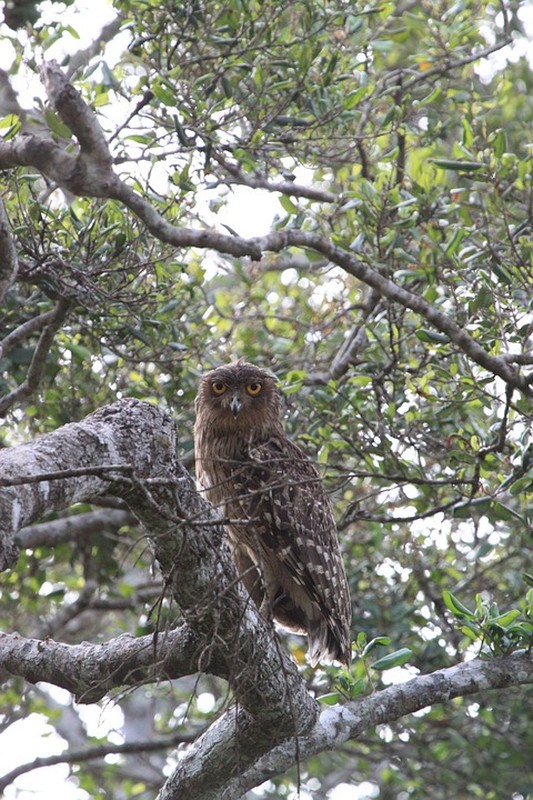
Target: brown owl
[278,516]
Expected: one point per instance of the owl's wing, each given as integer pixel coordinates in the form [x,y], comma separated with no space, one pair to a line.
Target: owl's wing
[292,518]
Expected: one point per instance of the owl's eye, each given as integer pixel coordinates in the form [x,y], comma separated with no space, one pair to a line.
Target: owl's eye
[218,388]
[254,388]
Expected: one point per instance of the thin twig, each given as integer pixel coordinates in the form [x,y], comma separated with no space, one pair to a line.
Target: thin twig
[8,254]
[23,331]
[81,754]
[38,362]
[64,473]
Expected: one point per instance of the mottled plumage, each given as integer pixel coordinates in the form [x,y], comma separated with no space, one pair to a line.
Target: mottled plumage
[279,518]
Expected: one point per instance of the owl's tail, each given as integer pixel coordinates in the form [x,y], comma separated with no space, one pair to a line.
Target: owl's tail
[329,640]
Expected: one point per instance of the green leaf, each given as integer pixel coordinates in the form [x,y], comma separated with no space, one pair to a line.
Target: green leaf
[504,512]
[472,632]
[455,605]
[164,94]
[522,484]
[500,143]
[458,166]
[79,352]
[330,699]
[506,619]
[378,641]
[288,205]
[57,125]
[468,133]
[353,99]
[431,336]
[395,659]
[141,138]
[502,274]
[13,123]
[455,242]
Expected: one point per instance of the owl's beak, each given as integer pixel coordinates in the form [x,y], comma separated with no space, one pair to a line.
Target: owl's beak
[236,404]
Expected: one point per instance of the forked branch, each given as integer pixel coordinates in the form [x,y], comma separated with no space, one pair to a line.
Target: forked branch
[91,174]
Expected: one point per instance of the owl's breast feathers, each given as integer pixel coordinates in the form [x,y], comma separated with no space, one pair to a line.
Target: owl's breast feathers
[280,521]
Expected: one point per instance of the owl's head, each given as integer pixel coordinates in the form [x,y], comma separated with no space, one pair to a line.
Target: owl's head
[239,396]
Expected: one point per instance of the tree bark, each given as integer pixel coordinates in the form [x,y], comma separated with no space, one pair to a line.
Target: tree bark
[77,462]
[129,449]
[90,671]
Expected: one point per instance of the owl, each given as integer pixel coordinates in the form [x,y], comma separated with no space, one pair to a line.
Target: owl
[279,518]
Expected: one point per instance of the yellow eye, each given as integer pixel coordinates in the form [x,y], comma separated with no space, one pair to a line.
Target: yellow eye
[218,388]
[254,388]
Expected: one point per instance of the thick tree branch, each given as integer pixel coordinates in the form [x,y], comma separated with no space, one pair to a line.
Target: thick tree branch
[338,724]
[90,671]
[232,641]
[129,432]
[75,113]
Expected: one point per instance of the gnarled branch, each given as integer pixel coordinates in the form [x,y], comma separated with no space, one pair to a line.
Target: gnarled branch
[231,640]
[90,671]
[91,174]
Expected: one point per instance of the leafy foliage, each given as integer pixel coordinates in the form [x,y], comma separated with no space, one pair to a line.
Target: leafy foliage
[371,127]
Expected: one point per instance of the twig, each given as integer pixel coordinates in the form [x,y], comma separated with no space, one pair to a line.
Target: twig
[36,368]
[23,331]
[81,754]
[64,473]
[8,254]
[82,57]
[442,69]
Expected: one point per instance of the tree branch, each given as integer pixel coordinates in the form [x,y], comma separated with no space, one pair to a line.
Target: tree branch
[338,724]
[77,755]
[90,174]
[77,115]
[287,187]
[8,254]
[448,66]
[82,57]
[24,330]
[100,441]
[70,529]
[90,671]
[352,348]
[497,365]
[231,639]
[38,361]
